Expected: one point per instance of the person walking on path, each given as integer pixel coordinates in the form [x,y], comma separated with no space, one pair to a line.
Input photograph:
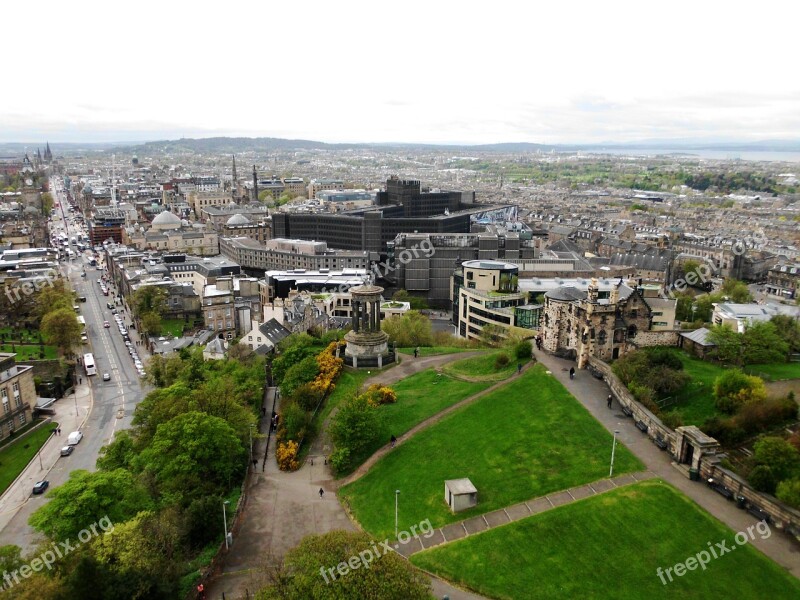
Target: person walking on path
[393,440]
[610,399]
[519,368]
[416,352]
[572,372]
[321,493]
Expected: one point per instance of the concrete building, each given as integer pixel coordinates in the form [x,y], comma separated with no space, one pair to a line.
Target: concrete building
[106,224]
[280,284]
[460,494]
[286,254]
[198,200]
[317,185]
[486,293]
[739,316]
[240,226]
[17,393]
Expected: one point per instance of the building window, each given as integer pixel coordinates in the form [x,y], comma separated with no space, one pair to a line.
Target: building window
[21,419]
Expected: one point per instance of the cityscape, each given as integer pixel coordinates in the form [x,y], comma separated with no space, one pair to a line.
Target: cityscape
[495,305]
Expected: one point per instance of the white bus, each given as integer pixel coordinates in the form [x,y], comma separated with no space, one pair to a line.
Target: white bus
[88,363]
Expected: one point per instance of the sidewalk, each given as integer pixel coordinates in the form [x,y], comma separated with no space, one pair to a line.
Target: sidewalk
[19,492]
[592,393]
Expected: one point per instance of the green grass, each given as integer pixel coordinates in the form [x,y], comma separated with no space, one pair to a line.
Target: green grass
[30,352]
[435,350]
[419,396]
[173,327]
[610,546]
[775,371]
[15,457]
[483,367]
[523,440]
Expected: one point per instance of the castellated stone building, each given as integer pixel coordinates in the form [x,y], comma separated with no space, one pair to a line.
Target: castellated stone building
[603,320]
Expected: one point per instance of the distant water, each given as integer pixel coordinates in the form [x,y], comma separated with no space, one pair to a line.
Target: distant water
[709,154]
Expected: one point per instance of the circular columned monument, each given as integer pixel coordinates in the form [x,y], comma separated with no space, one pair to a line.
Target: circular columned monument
[367,345]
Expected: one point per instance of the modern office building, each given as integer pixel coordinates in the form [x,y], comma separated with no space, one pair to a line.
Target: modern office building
[283,254]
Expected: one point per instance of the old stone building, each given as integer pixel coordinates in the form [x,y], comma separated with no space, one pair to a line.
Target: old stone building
[603,320]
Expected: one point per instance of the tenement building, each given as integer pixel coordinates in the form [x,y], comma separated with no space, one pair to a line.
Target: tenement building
[285,254]
[17,393]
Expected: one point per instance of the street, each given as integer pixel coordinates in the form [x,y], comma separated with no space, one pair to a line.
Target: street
[98,408]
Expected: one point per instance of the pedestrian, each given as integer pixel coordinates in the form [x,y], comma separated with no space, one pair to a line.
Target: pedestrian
[416,352]
[80,380]
[572,372]
[519,368]
[393,440]
[610,398]
[321,493]
[59,431]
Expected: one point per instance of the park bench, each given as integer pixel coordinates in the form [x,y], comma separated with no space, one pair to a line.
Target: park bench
[641,426]
[627,411]
[722,490]
[660,442]
[758,513]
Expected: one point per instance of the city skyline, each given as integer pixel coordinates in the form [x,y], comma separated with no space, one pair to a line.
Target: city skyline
[443,74]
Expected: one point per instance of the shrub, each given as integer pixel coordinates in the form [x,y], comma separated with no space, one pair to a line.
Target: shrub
[762,479]
[299,374]
[779,455]
[501,361]
[733,389]
[662,355]
[523,349]
[757,417]
[672,419]
[378,394]
[287,456]
[340,460]
[294,421]
[307,397]
[789,492]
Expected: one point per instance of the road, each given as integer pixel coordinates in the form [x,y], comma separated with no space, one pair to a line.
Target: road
[103,409]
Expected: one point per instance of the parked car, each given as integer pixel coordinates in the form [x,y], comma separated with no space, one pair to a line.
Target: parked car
[40,486]
[74,438]
[106,324]
[67,450]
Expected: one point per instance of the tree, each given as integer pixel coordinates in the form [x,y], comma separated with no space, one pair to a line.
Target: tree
[356,425]
[779,455]
[409,329]
[118,454]
[789,330]
[789,492]
[151,323]
[733,389]
[85,499]
[193,454]
[737,291]
[387,576]
[761,344]
[47,203]
[52,297]
[149,299]
[10,558]
[416,302]
[728,344]
[61,329]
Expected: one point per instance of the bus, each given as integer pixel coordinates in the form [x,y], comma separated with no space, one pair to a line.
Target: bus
[88,363]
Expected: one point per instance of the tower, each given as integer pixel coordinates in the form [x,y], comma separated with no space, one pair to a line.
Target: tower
[255,184]
[48,154]
[234,178]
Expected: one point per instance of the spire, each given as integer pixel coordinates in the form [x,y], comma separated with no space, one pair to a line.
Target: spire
[48,154]
[234,178]
[255,184]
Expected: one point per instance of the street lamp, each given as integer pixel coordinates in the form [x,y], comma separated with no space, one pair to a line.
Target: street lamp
[613,447]
[225,521]
[75,396]
[251,442]
[396,498]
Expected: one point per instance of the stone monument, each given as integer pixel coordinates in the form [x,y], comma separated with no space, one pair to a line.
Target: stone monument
[367,345]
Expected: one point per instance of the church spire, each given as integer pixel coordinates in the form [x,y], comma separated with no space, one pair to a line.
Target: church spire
[234,181]
[255,184]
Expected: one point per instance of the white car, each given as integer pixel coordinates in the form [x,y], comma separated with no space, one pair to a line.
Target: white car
[74,438]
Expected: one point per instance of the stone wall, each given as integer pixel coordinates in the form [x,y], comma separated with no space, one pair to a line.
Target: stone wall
[784,517]
[657,338]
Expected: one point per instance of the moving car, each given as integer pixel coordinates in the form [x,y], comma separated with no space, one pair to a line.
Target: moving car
[74,438]
[67,450]
[106,324]
[40,486]
[106,377]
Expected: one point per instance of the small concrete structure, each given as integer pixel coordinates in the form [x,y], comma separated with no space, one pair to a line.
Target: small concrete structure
[460,494]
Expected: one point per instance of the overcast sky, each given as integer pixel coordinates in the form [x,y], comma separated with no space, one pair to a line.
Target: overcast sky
[434,71]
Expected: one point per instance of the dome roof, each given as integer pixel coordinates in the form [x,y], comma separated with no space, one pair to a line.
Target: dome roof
[167,220]
[239,219]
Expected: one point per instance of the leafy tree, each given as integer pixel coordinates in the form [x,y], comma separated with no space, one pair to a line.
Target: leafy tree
[728,344]
[788,329]
[789,492]
[389,577]
[10,558]
[737,291]
[86,498]
[151,323]
[410,329]
[356,425]
[118,454]
[761,343]
[763,479]
[299,374]
[47,203]
[61,329]
[733,389]
[163,371]
[779,455]
[149,299]
[193,454]
[291,350]
[52,297]
[201,523]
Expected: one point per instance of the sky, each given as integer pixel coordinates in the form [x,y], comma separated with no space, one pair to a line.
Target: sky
[428,72]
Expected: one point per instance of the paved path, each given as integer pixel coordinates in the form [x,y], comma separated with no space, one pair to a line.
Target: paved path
[592,393]
[282,508]
[509,514]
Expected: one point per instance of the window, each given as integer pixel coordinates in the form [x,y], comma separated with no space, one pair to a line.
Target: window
[21,419]
[249,338]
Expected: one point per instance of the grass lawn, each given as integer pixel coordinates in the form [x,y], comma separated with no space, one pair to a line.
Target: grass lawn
[418,397]
[436,350]
[14,458]
[173,327]
[30,352]
[482,368]
[610,546]
[523,440]
[775,371]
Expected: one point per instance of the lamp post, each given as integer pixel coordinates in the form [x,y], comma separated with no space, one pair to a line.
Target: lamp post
[613,447]
[396,498]
[75,397]
[251,443]
[225,521]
